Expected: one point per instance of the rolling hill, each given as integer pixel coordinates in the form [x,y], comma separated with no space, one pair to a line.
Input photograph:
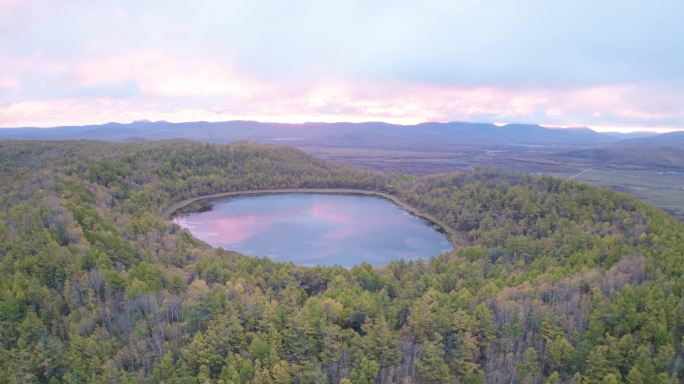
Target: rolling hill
[671,139]
[557,281]
[625,162]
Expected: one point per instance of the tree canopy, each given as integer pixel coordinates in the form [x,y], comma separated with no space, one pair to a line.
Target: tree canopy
[554,281]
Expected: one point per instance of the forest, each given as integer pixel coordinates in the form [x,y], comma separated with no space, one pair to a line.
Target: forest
[553,281]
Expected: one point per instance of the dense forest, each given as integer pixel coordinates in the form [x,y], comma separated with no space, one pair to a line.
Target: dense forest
[554,282]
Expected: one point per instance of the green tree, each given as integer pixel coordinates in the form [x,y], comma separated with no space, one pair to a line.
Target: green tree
[528,368]
[431,365]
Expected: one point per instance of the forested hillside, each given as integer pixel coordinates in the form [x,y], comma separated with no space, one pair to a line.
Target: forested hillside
[557,282]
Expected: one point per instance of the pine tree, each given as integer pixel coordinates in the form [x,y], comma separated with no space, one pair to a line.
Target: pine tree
[431,365]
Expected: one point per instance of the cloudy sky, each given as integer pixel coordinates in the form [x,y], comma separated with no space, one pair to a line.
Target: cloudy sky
[607,64]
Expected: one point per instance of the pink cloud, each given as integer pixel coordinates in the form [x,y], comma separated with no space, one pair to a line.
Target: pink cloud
[190,89]
[35,65]
[160,74]
[9,82]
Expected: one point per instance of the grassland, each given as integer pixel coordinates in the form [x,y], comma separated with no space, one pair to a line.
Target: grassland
[662,189]
[656,176]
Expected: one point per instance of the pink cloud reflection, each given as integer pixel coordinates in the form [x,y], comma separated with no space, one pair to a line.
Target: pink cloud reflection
[348,226]
[230,230]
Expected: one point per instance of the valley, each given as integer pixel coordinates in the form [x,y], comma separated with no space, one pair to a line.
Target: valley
[652,174]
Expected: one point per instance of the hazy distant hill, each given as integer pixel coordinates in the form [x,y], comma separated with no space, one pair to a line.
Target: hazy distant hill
[627,157]
[372,134]
[672,139]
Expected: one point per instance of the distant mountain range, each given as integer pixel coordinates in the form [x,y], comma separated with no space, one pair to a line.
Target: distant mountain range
[426,136]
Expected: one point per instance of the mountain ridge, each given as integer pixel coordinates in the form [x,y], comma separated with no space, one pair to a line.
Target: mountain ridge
[316,133]
[669,139]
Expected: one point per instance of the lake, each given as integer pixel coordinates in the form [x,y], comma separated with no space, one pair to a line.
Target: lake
[314,229]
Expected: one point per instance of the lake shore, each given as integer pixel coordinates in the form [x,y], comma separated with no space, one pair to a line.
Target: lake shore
[454,237]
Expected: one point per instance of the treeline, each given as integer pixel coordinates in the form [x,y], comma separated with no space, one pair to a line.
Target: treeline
[558,282]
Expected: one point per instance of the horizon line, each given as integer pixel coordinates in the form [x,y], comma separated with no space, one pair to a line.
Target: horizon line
[618,129]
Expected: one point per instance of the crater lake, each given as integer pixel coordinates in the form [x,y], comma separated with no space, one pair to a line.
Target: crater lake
[314,229]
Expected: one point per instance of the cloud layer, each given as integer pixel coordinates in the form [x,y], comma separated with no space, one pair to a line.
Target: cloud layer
[608,64]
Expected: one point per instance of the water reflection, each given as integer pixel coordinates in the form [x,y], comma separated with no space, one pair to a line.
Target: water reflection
[314,229]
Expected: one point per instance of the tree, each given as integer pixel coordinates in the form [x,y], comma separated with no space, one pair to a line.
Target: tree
[281,373]
[431,365]
[365,373]
[553,378]
[634,376]
[528,368]
[599,366]
[381,341]
[560,351]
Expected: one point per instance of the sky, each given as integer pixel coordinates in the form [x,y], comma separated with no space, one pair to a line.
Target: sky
[614,65]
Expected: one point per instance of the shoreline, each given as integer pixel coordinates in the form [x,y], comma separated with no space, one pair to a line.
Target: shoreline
[453,236]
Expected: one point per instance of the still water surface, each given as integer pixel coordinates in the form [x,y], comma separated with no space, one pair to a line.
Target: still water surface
[314,229]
